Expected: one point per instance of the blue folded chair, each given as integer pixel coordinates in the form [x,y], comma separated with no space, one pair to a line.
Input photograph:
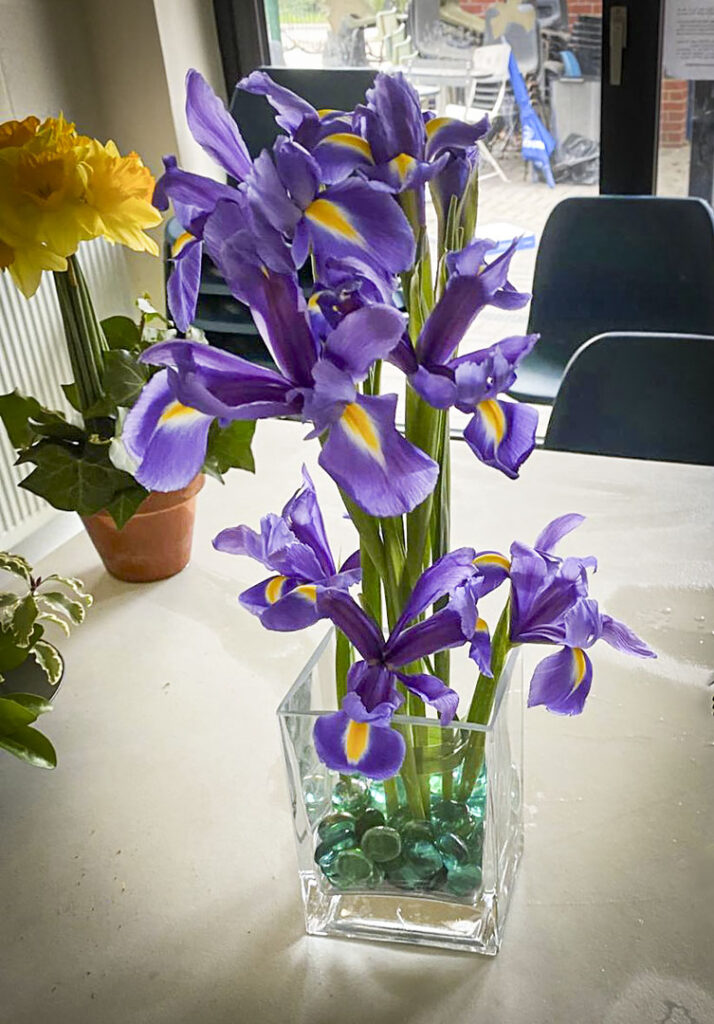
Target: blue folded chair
[616,263]
[640,396]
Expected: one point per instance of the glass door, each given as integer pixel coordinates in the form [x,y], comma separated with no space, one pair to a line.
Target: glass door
[686,122]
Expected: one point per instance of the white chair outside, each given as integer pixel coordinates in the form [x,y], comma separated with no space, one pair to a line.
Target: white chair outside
[485,92]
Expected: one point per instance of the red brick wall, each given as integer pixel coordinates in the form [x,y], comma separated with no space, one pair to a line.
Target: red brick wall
[578,7]
[673,113]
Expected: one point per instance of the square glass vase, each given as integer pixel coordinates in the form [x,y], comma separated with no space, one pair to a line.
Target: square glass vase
[429,857]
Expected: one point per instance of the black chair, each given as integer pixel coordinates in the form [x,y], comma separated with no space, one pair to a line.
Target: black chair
[639,396]
[616,263]
[227,323]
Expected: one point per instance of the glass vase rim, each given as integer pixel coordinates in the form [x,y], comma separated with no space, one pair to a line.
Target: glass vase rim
[459,725]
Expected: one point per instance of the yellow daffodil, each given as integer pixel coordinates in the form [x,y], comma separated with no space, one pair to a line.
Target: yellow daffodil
[59,188]
[119,189]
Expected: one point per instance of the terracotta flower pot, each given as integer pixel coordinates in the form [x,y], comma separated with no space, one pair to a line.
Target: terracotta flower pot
[155,543]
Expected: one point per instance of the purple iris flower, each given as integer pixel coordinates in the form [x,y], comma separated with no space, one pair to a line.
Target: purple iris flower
[317,382]
[295,548]
[194,197]
[408,147]
[359,737]
[351,218]
[550,605]
[500,433]
[326,134]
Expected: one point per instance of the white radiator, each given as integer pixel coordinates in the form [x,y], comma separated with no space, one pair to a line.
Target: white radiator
[33,358]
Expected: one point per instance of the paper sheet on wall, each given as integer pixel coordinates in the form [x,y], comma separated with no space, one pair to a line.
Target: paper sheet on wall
[689,39]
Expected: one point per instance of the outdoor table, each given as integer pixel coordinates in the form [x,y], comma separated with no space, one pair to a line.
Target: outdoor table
[151,878]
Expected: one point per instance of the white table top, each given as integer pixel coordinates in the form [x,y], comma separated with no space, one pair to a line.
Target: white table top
[151,879]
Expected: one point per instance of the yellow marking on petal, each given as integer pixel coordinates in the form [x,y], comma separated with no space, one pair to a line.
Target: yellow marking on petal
[177,410]
[402,163]
[351,141]
[327,110]
[356,741]
[329,216]
[308,591]
[580,666]
[314,301]
[436,123]
[273,589]
[493,558]
[494,419]
[181,242]
[358,424]
[481,626]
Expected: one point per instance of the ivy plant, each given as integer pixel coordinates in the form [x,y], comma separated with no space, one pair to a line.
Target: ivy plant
[76,459]
[25,612]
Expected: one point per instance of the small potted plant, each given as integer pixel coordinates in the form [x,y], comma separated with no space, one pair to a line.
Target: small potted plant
[62,189]
[31,666]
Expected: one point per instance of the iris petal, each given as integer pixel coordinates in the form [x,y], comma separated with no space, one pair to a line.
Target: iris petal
[562,682]
[167,438]
[370,460]
[502,434]
[347,747]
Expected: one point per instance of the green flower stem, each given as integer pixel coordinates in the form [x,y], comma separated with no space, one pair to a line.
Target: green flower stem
[482,704]
[343,660]
[84,338]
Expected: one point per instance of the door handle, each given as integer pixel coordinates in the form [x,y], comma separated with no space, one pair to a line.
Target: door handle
[618,42]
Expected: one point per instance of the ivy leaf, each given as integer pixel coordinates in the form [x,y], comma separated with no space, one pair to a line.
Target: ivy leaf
[17,565]
[25,420]
[124,377]
[23,620]
[75,481]
[8,602]
[121,332]
[229,447]
[49,659]
[125,504]
[30,745]
[11,653]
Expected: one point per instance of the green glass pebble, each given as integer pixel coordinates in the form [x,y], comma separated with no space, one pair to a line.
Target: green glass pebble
[453,849]
[464,879]
[325,858]
[351,867]
[437,882]
[381,844]
[400,818]
[417,829]
[371,818]
[377,797]
[377,877]
[350,795]
[423,856]
[450,816]
[402,874]
[335,828]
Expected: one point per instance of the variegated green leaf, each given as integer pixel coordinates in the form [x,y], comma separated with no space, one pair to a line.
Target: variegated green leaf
[56,620]
[69,581]
[16,564]
[23,619]
[49,659]
[8,602]
[59,602]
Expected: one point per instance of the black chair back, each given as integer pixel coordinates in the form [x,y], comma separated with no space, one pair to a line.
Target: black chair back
[640,396]
[616,263]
